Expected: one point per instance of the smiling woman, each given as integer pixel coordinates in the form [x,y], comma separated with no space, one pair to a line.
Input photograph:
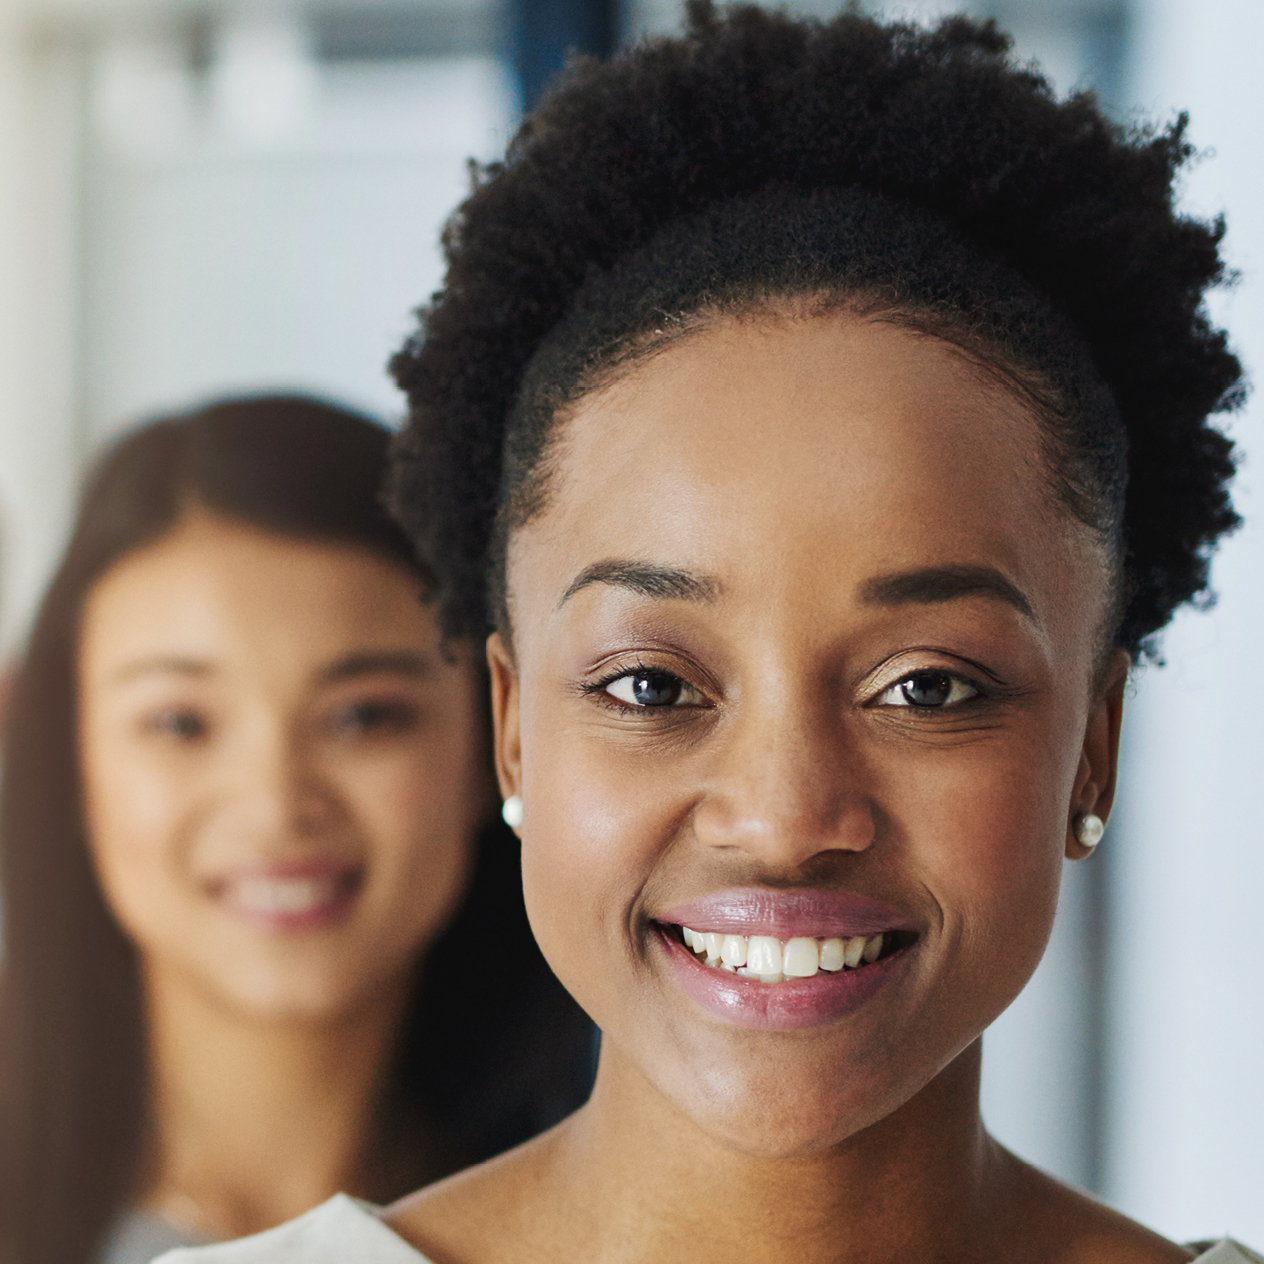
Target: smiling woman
[816,416]
[272,742]
[780,757]
[248,853]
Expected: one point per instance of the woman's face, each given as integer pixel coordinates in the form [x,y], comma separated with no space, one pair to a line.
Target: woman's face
[283,774]
[803,651]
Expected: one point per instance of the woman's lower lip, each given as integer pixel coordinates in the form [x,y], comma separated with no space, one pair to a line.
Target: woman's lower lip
[788,1006]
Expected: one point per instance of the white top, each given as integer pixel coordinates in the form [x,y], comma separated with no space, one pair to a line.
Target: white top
[337,1232]
[139,1238]
[345,1229]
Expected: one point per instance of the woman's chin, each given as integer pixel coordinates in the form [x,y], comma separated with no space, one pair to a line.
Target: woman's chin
[284,1001]
[780,1117]
[782,1137]
[271,992]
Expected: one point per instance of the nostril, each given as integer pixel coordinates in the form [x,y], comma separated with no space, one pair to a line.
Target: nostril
[784,830]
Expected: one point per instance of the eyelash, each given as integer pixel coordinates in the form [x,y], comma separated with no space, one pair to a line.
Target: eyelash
[979,693]
[600,689]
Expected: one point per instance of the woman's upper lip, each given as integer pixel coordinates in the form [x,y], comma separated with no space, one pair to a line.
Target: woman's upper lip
[281,870]
[787,914]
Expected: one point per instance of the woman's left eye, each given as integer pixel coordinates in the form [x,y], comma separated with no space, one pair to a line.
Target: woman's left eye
[928,690]
[181,723]
[649,689]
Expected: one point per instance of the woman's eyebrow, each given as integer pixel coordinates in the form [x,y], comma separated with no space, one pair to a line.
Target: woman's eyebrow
[373,662]
[161,664]
[931,584]
[647,579]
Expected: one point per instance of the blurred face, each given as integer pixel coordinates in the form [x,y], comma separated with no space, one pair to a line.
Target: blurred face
[801,703]
[282,772]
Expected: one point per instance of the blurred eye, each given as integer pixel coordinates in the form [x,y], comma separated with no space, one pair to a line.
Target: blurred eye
[653,689]
[375,716]
[928,690]
[182,724]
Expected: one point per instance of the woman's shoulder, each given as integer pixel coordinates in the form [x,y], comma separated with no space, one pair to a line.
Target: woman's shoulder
[1052,1220]
[339,1230]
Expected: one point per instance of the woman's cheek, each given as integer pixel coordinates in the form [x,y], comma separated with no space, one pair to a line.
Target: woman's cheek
[133,812]
[593,830]
[987,840]
[417,812]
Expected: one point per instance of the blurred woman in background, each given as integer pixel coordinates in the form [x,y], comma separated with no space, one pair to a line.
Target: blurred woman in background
[249,864]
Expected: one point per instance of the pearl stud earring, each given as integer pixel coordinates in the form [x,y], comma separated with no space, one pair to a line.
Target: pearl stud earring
[1089,830]
[511,811]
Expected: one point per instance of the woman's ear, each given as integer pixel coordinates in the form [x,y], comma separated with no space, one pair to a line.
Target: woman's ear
[1095,779]
[506,746]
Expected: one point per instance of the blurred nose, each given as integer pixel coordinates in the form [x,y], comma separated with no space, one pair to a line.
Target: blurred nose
[277,788]
[786,787]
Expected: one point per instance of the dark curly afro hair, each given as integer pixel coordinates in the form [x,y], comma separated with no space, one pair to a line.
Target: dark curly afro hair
[918,175]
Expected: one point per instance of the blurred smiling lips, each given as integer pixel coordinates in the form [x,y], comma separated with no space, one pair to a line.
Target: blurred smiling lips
[303,895]
[781,960]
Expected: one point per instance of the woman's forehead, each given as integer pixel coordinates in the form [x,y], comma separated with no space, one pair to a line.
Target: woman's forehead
[217,588]
[797,427]
[824,452]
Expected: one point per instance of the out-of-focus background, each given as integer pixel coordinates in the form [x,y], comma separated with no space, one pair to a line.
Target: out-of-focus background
[202,196]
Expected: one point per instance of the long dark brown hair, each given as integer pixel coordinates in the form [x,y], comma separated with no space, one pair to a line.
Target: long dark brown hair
[491,1050]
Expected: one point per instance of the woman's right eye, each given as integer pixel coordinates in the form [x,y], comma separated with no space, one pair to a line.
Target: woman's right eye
[371,716]
[653,689]
[178,723]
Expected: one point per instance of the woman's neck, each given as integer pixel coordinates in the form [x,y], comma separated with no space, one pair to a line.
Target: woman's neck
[630,1179]
[831,1205]
[253,1120]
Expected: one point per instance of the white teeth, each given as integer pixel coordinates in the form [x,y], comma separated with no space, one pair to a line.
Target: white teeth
[282,895]
[832,954]
[763,978]
[763,955]
[800,960]
[768,959]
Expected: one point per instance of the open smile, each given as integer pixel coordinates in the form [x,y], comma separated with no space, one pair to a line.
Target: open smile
[772,960]
[289,897]
[777,1001]
[784,959]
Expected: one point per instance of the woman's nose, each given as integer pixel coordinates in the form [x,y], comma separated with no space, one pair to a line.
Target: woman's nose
[279,786]
[786,786]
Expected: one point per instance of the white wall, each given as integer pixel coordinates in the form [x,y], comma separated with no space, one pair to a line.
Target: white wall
[39,205]
[226,257]
[1186,1141]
